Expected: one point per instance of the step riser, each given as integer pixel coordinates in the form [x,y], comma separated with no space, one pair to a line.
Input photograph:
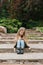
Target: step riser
[25,51]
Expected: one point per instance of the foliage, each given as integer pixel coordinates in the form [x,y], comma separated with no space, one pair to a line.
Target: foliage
[22,9]
[39,29]
[12,25]
[17,13]
[32,23]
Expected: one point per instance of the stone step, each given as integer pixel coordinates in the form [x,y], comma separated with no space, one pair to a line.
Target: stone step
[24,63]
[14,37]
[11,46]
[14,34]
[10,64]
[25,56]
[25,51]
[30,41]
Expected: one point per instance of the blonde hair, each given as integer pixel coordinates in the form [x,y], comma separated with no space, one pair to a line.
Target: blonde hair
[24,36]
[18,33]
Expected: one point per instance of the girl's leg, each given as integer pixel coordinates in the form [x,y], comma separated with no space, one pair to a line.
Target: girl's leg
[22,44]
[18,47]
[18,44]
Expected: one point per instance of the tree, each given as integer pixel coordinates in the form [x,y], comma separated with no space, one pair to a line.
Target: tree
[24,9]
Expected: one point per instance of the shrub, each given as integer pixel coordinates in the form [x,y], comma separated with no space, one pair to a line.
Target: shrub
[12,25]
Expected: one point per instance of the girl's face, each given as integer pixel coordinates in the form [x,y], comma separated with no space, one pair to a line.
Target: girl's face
[21,32]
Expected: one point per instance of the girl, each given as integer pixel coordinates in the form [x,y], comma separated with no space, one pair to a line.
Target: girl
[21,41]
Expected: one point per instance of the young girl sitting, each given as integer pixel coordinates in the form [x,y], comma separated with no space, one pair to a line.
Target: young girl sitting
[21,41]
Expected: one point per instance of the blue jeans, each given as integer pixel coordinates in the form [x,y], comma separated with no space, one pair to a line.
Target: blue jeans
[20,44]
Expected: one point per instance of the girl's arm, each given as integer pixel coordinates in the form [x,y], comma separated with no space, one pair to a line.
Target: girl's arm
[15,41]
[26,42]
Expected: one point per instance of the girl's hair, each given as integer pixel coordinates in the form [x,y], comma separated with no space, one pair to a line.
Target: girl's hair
[18,33]
[24,36]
